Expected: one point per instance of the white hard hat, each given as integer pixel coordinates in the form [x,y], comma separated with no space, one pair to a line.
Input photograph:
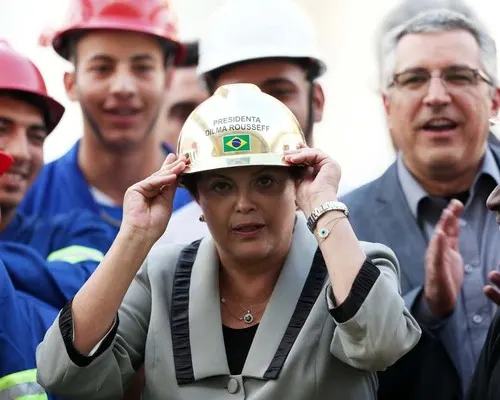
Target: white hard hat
[243,30]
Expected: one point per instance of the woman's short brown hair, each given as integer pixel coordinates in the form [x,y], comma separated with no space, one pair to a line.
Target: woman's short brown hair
[190,181]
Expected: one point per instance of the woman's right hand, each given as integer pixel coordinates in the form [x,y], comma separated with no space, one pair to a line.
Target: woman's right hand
[147,207]
[148,204]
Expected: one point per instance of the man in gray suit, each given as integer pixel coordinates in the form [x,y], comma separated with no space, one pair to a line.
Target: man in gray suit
[439,92]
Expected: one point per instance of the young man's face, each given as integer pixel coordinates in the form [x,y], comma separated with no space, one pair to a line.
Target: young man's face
[22,134]
[120,81]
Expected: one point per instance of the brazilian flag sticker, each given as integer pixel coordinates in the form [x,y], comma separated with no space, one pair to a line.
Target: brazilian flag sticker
[236,143]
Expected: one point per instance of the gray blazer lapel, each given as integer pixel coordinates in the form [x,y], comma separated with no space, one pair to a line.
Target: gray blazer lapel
[207,340]
[282,303]
[205,325]
[400,230]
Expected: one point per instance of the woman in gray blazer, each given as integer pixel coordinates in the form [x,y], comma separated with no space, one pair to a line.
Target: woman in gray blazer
[270,306]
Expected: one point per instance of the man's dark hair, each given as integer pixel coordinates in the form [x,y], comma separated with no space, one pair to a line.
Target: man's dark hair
[191,55]
[190,181]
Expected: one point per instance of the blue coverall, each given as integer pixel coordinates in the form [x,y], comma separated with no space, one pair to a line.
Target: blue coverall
[43,263]
[61,187]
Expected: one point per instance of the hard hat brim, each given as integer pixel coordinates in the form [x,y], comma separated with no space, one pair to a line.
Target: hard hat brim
[238,160]
[60,42]
[226,61]
[52,110]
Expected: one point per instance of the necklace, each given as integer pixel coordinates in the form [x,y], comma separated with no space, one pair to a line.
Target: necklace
[248,317]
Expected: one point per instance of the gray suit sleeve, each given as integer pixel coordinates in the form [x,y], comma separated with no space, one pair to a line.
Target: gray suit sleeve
[380,330]
[105,375]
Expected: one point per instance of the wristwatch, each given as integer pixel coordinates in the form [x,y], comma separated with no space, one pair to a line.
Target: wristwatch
[318,212]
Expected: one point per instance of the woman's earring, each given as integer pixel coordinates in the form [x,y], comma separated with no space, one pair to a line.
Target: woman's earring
[202,218]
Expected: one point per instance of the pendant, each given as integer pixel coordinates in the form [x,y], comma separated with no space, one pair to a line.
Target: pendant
[248,318]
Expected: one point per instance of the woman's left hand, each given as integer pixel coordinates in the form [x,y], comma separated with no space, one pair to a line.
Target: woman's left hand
[321,179]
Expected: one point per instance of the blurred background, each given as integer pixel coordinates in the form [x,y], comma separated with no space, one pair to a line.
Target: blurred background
[353,130]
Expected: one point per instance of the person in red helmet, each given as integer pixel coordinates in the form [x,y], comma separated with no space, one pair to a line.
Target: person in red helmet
[27,115]
[24,319]
[43,261]
[123,53]
[25,94]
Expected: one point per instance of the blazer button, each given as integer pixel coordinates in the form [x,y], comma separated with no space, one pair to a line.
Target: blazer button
[232,385]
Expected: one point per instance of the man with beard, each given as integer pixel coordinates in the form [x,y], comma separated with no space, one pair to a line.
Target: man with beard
[46,257]
[123,55]
[23,323]
[43,260]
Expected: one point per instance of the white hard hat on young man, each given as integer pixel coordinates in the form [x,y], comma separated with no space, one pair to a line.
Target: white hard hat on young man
[259,29]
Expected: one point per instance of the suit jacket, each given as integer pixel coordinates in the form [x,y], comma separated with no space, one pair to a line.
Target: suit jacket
[170,320]
[486,380]
[379,213]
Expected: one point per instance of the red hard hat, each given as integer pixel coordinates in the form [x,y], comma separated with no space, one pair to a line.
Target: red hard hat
[6,160]
[153,17]
[19,74]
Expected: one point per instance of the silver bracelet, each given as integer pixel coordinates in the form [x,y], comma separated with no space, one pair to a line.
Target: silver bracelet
[318,212]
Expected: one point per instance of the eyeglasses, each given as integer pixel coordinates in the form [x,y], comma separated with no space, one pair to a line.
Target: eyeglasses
[451,77]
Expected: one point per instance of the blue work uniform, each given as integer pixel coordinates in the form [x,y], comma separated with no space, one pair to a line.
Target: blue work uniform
[51,258]
[43,263]
[61,187]
[23,323]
